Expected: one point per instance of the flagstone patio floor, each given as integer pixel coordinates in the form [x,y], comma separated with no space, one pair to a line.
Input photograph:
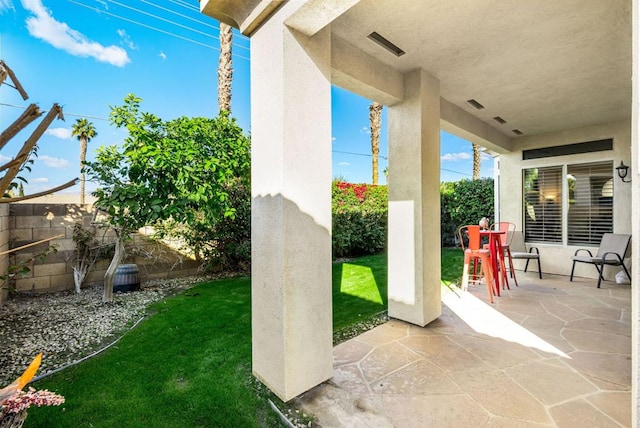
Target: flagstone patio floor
[549,353]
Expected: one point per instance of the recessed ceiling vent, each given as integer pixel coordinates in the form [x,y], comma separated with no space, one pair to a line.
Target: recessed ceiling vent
[500,120]
[517,131]
[386,44]
[475,104]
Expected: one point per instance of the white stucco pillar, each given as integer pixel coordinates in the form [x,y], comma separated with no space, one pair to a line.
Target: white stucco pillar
[291,207]
[635,216]
[414,201]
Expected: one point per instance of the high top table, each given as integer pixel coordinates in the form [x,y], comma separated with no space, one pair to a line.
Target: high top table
[497,257]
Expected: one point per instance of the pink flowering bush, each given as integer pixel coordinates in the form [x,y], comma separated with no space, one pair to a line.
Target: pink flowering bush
[14,401]
[359,214]
[22,400]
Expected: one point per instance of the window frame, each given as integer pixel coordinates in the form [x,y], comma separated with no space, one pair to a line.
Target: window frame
[565,203]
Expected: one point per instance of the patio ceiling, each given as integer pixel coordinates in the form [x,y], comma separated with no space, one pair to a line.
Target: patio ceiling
[542,66]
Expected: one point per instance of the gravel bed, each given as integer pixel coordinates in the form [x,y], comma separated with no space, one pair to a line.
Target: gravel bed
[66,326]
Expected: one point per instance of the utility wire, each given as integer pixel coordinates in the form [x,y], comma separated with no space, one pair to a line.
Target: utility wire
[152,28]
[64,112]
[186,27]
[195,9]
[333,151]
[358,154]
[455,172]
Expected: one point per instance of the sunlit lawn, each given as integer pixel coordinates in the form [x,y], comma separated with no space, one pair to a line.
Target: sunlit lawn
[189,365]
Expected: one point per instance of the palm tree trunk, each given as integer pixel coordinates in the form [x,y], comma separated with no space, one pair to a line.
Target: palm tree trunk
[375,117]
[83,158]
[225,70]
[476,161]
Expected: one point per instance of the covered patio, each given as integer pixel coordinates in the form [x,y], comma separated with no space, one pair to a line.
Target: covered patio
[547,353]
[551,87]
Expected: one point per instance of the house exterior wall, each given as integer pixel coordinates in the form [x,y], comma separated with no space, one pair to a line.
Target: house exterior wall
[556,258]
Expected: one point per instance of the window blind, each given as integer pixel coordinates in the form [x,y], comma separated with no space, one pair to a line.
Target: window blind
[543,204]
[590,212]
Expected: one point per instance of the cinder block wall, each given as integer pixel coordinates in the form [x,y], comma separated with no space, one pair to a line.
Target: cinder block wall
[28,223]
[4,246]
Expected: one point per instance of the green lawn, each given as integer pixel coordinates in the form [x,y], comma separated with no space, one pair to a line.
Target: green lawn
[189,365]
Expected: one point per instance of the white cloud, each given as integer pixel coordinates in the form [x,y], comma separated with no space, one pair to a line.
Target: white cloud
[124,38]
[62,133]
[4,159]
[365,130]
[162,55]
[333,139]
[43,26]
[344,164]
[38,180]
[54,162]
[6,5]
[455,156]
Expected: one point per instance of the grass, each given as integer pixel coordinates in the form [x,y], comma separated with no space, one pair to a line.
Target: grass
[189,365]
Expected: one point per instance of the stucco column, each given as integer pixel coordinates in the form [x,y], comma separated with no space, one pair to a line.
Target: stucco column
[291,207]
[414,202]
[635,217]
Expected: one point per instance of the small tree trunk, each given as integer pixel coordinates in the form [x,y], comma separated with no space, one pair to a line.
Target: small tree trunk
[79,273]
[110,274]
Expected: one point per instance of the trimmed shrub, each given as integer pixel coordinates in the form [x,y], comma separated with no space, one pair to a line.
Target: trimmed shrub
[359,219]
[464,202]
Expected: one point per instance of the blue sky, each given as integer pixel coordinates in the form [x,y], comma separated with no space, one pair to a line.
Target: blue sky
[88,55]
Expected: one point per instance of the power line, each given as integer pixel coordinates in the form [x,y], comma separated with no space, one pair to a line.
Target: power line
[358,154]
[63,112]
[195,9]
[455,172]
[170,21]
[152,28]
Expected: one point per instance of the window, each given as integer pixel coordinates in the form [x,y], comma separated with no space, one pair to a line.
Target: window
[583,202]
[543,204]
[590,202]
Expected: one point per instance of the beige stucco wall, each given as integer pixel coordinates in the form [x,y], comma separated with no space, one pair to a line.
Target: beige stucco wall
[556,258]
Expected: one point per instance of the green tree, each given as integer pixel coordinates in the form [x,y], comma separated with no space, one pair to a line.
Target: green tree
[84,131]
[175,171]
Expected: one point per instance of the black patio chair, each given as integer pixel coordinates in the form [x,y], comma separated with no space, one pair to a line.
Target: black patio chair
[612,251]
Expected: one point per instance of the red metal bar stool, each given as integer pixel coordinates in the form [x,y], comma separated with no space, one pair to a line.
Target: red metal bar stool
[473,251]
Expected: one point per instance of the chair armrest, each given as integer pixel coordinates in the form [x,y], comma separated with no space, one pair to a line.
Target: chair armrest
[604,256]
[582,249]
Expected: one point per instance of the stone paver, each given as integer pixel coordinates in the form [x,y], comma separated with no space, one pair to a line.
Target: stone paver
[549,353]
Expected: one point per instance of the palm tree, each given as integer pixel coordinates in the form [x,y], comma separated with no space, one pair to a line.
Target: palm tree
[476,161]
[85,131]
[375,118]
[225,72]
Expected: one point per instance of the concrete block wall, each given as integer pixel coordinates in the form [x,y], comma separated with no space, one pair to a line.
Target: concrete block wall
[4,246]
[29,222]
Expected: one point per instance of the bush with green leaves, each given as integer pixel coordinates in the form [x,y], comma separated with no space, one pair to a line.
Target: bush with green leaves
[359,214]
[179,171]
[464,202]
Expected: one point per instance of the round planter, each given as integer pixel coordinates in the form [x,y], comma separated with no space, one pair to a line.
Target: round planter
[127,278]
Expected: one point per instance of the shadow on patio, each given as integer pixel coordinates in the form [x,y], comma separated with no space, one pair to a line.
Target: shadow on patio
[548,353]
